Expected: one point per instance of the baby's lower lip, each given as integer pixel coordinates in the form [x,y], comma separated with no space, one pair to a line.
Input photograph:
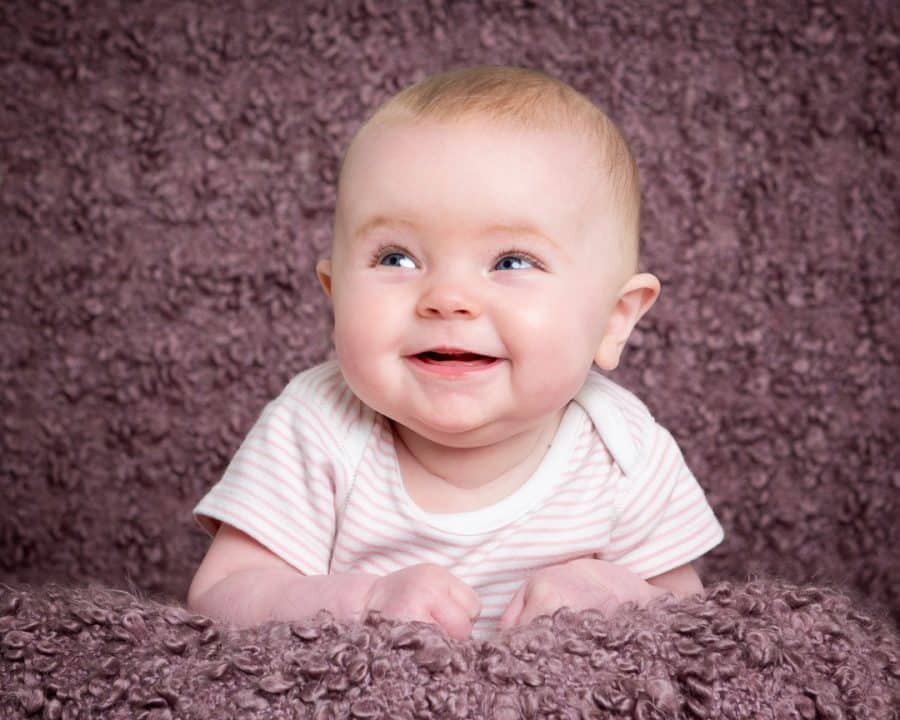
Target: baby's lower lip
[451,367]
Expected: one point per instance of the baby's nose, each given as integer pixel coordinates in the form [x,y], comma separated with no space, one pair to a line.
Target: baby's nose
[448,300]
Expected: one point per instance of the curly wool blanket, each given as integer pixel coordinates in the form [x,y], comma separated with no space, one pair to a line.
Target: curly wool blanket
[167,183]
[764,649]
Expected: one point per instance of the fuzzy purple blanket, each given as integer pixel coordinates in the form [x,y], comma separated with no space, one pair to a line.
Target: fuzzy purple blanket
[764,649]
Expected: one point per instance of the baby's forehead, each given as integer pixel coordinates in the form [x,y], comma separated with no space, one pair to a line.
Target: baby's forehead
[377,143]
[605,155]
[389,149]
[609,184]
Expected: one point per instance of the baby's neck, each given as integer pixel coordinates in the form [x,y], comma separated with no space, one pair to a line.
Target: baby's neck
[438,475]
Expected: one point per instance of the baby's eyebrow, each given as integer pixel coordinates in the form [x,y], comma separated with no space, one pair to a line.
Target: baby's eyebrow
[516,228]
[520,229]
[379,221]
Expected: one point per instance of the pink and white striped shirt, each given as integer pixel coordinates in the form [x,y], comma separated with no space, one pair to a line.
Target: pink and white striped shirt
[318,483]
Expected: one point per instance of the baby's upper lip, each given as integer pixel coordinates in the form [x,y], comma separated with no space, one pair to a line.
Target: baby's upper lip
[448,350]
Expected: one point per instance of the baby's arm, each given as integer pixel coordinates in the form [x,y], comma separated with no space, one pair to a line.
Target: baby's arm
[591,583]
[683,581]
[242,581]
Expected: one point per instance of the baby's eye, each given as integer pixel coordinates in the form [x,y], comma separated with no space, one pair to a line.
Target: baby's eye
[514,262]
[396,259]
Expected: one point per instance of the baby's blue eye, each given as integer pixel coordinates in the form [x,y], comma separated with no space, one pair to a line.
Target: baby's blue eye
[395,259]
[508,262]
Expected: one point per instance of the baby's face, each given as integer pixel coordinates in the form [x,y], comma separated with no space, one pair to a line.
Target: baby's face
[475,237]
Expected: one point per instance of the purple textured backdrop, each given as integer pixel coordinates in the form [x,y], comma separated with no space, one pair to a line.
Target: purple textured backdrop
[166,184]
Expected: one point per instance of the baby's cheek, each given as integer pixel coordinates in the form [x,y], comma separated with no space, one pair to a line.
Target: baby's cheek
[559,356]
[361,374]
[350,340]
[366,347]
[555,334]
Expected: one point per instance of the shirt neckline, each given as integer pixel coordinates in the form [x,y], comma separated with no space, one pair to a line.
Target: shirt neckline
[506,510]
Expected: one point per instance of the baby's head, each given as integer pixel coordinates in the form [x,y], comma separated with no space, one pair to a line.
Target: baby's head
[488,210]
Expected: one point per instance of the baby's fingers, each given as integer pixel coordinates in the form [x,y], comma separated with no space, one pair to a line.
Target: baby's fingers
[466,598]
[540,599]
[511,615]
[453,618]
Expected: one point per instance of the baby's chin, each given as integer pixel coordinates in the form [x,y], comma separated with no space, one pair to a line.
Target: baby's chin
[458,435]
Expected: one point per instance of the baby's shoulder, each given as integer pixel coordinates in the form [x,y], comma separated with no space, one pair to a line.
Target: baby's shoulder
[600,389]
[622,420]
[324,382]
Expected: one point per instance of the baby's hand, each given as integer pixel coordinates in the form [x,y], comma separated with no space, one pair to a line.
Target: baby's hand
[428,593]
[580,584]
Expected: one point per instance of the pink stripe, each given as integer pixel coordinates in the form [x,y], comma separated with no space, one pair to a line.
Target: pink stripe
[225,491]
[313,423]
[378,464]
[559,508]
[381,464]
[657,550]
[289,472]
[593,530]
[346,406]
[371,465]
[690,513]
[415,546]
[259,530]
[327,381]
[516,573]
[334,395]
[377,511]
[363,535]
[505,569]
[379,525]
[230,485]
[286,428]
[357,414]
[660,477]
[687,554]
[648,525]
[289,448]
[290,477]
[658,456]
[368,537]
[365,529]
[617,549]
[381,565]
[661,453]
[495,601]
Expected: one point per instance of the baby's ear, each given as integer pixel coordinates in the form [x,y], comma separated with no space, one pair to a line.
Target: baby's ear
[323,271]
[635,298]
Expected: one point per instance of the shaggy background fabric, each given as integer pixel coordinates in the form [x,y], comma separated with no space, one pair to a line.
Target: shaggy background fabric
[166,184]
[167,181]
[761,650]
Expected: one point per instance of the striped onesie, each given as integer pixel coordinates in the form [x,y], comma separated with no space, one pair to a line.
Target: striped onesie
[317,482]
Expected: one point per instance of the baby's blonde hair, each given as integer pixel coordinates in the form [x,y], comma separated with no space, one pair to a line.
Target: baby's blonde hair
[529,99]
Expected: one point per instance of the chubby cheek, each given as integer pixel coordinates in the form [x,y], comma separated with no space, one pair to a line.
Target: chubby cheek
[365,336]
[551,343]
[347,346]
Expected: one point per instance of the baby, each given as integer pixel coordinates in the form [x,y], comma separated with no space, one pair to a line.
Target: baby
[461,462]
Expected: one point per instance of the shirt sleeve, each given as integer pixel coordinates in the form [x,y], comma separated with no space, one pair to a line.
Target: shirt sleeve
[281,485]
[664,519]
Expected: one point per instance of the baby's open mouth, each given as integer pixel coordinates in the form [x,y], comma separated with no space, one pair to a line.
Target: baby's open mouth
[455,358]
[432,356]
[449,362]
